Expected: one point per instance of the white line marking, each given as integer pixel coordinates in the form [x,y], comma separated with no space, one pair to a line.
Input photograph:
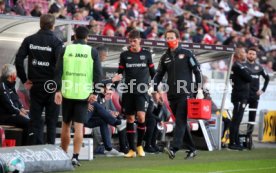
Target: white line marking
[242,170]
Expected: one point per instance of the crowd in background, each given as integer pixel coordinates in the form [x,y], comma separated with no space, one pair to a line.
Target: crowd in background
[241,23]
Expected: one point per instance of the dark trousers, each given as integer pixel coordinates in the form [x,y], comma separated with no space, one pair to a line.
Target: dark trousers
[236,121]
[181,130]
[20,122]
[253,104]
[151,132]
[100,117]
[40,99]
[96,121]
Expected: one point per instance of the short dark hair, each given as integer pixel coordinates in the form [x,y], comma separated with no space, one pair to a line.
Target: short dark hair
[102,48]
[175,31]
[134,34]
[253,49]
[81,32]
[47,21]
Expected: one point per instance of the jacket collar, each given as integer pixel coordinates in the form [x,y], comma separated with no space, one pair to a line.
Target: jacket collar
[46,32]
[79,42]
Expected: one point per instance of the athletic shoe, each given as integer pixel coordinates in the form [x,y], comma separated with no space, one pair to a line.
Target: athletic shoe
[169,152]
[130,154]
[140,151]
[121,126]
[75,162]
[150,149]
[235,147]
[113,153]
[190,154]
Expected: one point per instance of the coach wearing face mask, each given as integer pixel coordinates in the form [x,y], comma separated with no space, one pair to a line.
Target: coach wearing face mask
[11,110]
[179,64]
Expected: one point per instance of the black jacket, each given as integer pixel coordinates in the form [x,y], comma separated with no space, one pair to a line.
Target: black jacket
[42,49]
[137,66]
[180,68]
[241,78]
[256,71]
[9,99]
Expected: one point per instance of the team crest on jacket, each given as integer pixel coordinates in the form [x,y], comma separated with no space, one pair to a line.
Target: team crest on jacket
[181,56]
[34,62]
[142,57]
[256,67]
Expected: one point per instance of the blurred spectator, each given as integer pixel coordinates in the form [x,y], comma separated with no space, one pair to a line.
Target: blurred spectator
[63,13]
[242,20]
[36,11]
[120,32]
[19,8]
[94,27]
[3,7]
[224,4]
[207,13]
[254,12]
[73,7]
[87,4]
[191,6]
[273,28]
[77,16]
[220,17]
[269,67]
[265,35]
[110,25]
[221,34]
[209,38]
[197,38]
[242,6]
[56,6]
[133,12]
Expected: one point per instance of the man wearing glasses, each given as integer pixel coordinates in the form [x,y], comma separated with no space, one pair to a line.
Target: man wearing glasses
[136,63]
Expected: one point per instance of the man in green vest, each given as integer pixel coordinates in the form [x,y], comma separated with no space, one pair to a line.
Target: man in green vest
[77,72]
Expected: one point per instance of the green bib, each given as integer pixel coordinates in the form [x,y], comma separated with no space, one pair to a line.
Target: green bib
[77,76]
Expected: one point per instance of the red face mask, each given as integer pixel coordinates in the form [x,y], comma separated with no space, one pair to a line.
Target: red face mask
[13,78]
[172,43]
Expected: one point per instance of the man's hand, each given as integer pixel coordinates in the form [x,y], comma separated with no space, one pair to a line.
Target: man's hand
[114,113]
[24,111]
[200,94]
[90,107]
[117,77]
[156,97]
[58,98]
[260,92]
[28,85]
[92,98]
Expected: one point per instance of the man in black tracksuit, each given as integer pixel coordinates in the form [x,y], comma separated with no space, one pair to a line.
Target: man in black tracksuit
[11,109]
[42,49]
[241,79]
[136,63]
[180,65]
[254,95]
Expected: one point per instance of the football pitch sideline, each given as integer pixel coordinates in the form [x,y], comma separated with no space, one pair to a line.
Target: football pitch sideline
[225,161]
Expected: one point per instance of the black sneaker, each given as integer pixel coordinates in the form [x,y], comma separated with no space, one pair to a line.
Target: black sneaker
[235,147]
[75,162]
[150,149]
[190,154]
[169,152]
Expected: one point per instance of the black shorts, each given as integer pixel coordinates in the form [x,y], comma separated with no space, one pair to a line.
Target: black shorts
[74,110]
[134,102]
